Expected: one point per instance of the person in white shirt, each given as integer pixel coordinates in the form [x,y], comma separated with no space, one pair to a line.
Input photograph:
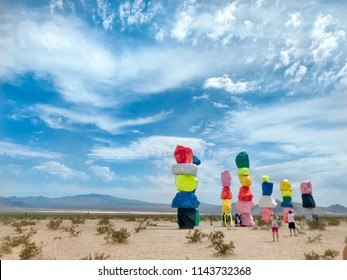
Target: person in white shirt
[291,222]
[274,226]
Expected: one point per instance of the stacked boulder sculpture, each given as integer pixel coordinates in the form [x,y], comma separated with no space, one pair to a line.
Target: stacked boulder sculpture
[308,202]
[286,204]
[226,197]
[186,202]
[245,196]
[266,202]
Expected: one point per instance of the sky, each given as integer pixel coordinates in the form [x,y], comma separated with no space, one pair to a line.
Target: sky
[96,94]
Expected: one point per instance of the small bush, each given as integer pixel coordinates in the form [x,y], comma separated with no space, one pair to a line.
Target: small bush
[312,256]
[330,254]
[141,226]
[320,224]
[97,256]
[333,222]
[23,223]
[54,224]
[315,239]
[103,222]
[216,237]
[17,240]
[197,236]
[104,229]
[72,230]
[29,250]
[77,221]
[223,248]
[119,236]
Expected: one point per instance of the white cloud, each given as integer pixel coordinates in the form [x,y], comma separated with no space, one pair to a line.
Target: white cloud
[104,172]
[227,84]
[137,12]
[295,20]
[21,151]
[149,147]
[325,38]
[106,13]
[220,105]
[60,170]
[61,118]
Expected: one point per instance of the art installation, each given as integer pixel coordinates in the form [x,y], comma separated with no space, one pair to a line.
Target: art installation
[308,202]
[186,202]
[245,196]
[226,197]
[286,204]
[266,202]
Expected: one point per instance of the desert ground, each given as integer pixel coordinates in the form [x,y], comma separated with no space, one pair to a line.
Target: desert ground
[158,238]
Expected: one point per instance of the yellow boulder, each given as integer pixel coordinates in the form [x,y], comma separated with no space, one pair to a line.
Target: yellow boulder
[186,183]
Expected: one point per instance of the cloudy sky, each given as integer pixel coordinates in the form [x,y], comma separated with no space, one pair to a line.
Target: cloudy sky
[96,94]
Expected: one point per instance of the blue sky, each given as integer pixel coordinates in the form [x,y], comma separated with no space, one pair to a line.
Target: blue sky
[95,96]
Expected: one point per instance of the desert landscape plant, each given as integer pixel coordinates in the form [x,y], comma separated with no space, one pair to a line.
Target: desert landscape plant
[72,230]
[196,236]
[312,256]
[29,251]
[54,224]
[315,239]
[119,236]
[97,256]
[216,237]
[316,224]
[330,254]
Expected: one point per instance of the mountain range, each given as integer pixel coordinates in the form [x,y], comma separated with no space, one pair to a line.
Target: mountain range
[99,202]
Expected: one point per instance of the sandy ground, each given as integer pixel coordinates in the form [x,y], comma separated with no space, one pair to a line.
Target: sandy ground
[162,240]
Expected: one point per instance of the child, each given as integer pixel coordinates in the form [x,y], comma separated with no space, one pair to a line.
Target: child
[274,226]
[291,222]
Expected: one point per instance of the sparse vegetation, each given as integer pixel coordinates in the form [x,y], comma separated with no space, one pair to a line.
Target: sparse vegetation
[197,236]
[72,230]
[54,224]
[29,251]
[319,224]
[312,256]
[329,254]
[119,236]
[217,240]
[142,225]
[315,239]
[97,256]
[77,221]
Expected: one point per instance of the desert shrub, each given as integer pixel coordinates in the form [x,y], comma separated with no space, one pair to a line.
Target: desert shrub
[77,221]
[97,256]
[311,256]
[119,236]
[330,254]
[29,250]
[315,239]
[197,236]
[320,224]
[5,220]
[106,228]
[103,222]
[216,237]
[14,241]
[141,226]
[54,224]
[23,223]
[5,248]
[333,222]
[223,248]
[217,241]
[72,230]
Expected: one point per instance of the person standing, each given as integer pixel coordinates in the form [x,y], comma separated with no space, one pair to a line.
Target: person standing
[274,226]
[291,222]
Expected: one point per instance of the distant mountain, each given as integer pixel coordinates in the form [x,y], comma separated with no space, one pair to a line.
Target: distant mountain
[98,202]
